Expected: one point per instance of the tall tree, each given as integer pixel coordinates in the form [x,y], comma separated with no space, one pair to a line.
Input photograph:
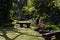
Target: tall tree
[5,15]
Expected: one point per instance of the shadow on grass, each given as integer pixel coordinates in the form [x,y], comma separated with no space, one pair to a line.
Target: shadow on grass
[4,33]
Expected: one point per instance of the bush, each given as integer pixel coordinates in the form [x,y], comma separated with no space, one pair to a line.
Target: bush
[51,27]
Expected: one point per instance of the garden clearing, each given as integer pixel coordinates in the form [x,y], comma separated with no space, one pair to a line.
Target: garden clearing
[19,34]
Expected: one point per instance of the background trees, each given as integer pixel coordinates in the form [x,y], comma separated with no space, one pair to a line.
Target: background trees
[48,10]
[5,15]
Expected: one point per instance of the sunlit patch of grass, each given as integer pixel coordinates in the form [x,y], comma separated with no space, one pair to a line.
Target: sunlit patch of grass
[2,38]
[22,34]
[12,34]
[26,37]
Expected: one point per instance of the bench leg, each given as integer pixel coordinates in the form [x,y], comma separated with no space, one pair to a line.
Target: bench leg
[47,38]
[21,25]
[28,25]
[57,37]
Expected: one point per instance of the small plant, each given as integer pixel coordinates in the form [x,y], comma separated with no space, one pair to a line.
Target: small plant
[51,27]
[14,22]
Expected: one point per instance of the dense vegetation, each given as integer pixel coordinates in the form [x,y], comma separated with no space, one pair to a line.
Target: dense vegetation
[48,11]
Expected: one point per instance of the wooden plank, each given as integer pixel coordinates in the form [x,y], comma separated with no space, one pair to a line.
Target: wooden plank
[48,36]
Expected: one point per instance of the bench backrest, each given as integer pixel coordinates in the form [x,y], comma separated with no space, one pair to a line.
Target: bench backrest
[51,33]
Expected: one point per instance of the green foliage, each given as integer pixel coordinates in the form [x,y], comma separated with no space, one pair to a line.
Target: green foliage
[29,8]
[51,27]
[57,3]
[14,22]
[49,9]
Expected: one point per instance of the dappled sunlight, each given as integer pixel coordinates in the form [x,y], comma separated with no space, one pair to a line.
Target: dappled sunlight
[29,19]
[21,33]
[26,37]
[2,38]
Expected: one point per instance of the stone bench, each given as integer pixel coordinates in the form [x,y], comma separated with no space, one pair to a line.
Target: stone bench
[24,22]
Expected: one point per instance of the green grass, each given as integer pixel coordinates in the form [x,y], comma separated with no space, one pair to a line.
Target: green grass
[18,33]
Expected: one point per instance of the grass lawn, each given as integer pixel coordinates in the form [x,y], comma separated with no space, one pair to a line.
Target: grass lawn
[19,34]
